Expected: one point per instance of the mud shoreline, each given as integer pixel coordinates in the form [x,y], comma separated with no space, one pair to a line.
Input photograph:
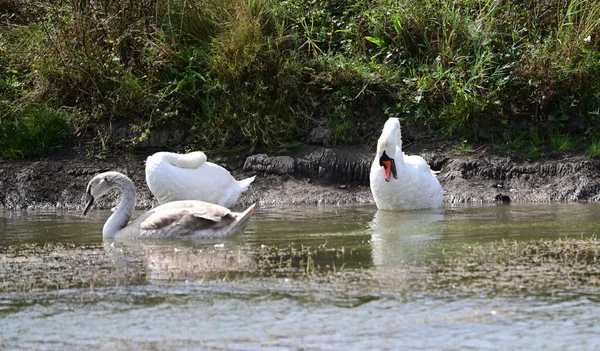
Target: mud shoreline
[313,175]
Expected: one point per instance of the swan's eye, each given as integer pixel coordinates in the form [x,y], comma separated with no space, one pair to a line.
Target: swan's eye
[103,181]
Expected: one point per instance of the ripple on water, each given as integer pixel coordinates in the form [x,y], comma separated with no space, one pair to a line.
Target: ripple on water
[168,308]
[228,315]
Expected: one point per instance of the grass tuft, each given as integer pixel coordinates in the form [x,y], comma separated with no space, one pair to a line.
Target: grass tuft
[563,142]
[593,151]
[37,132]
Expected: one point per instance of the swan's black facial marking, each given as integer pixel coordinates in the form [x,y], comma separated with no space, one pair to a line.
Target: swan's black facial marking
[389,166]
[384,157]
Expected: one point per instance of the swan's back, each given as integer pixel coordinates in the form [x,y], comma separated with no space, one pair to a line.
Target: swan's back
[170,179]
[417,162]
[424,189]
[187,219]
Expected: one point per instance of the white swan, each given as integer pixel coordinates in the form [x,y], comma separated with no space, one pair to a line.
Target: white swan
[178,219]
[173,177]
[413,186]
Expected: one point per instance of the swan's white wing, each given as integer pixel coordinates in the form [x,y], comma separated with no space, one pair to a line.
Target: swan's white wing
[417,162]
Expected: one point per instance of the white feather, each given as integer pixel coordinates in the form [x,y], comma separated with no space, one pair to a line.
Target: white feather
[173,177]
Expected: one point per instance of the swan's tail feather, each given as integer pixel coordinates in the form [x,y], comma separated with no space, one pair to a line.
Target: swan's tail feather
[242,220]
[244,183]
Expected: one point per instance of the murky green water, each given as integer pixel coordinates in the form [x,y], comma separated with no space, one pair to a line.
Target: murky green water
[248,311]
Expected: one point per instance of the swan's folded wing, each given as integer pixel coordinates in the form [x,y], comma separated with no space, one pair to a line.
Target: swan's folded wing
[417,162]
[187,216]
[158,220]
[211,213]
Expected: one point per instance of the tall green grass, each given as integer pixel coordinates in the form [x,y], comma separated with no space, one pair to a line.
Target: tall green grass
[248,74]
[37,132]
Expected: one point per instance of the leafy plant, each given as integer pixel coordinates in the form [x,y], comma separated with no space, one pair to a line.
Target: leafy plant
[464,147]
[37,132]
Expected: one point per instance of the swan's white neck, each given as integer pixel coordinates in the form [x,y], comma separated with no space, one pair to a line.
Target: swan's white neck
[390,141]
[119,219]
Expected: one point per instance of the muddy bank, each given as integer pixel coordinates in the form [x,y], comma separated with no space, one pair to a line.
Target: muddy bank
[313,175]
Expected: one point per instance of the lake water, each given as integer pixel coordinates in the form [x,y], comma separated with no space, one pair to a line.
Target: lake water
[171,310]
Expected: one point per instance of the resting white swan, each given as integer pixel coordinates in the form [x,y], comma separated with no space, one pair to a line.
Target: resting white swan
[178,219]
[173,177]
[413,185]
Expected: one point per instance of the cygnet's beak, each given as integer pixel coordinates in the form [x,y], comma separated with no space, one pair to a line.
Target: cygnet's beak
[89,201]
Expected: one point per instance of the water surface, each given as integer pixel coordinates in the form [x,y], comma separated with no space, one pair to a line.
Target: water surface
[171,311]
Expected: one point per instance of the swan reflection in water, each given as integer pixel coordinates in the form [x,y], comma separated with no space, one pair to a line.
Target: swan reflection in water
[172,260]
[398,236]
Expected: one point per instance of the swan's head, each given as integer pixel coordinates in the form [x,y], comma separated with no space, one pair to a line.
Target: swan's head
[389,166]
[388,143]
[98,187]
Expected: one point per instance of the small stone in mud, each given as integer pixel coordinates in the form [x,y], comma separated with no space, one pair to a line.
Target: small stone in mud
[503,199]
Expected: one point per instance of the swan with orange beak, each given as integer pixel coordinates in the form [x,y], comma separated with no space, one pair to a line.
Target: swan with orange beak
[398,181]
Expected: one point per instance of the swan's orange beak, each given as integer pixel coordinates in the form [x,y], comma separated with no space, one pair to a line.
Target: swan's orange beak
[387,169]
[389,166]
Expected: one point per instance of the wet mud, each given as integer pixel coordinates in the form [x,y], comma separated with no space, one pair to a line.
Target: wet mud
[313,175]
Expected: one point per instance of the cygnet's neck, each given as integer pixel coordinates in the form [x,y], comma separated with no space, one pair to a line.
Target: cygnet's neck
[119,219]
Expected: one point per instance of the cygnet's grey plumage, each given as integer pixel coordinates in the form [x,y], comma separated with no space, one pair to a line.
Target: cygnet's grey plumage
[177,219]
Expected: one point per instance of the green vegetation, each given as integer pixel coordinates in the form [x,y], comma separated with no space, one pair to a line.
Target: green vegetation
[243,74]
[37,132]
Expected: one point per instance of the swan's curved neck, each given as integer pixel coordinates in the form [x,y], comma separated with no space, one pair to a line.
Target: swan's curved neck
[390,141]
[119,219]
[192,160]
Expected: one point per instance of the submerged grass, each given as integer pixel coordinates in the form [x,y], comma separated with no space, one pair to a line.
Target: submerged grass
[500,267]
[263,73]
